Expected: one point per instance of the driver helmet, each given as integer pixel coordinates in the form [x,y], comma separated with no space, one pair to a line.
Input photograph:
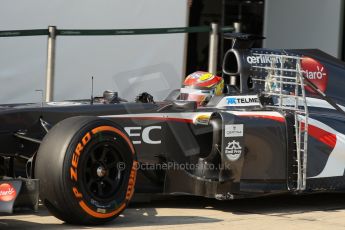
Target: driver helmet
[201,87]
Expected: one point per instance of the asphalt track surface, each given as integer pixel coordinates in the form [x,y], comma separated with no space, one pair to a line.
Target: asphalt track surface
[320,211]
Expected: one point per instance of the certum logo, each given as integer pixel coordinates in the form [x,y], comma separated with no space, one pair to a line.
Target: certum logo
[143,134]
[234,130]
[315,72]
[7,192]
[263,59]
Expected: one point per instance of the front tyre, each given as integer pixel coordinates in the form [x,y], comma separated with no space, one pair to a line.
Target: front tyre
[87,170]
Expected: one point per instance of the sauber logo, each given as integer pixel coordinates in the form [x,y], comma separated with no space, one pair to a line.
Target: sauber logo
[315,72]
[7,192]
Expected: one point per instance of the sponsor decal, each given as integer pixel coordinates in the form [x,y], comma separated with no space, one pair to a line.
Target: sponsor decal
[263,59]
[242,100]
[101,210]
[315,72]
[249,100]
[140,134]
[227,196]
[7,192]
[234,130]
[233,150]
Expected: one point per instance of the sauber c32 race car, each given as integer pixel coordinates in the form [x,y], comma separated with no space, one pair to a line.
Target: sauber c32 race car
[278,127]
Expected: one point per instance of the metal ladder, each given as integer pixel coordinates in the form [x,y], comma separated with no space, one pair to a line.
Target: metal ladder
[283,81]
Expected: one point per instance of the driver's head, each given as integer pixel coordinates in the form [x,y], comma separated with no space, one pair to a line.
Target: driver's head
[201,86]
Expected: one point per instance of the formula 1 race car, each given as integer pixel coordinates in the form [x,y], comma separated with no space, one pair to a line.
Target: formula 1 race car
[277,127]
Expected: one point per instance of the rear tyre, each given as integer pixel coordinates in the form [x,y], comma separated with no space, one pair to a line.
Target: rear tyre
[87,170]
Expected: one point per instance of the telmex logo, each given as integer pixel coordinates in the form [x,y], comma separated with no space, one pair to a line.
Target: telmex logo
[239,101]
[315,72]
[244,100]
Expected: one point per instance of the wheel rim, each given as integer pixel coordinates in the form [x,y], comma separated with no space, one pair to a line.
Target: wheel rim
[102,176]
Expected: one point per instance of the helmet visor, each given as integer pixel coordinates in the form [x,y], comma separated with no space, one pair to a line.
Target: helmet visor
[200,96]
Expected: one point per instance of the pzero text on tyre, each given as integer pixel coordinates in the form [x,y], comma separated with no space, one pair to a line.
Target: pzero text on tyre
[87,170]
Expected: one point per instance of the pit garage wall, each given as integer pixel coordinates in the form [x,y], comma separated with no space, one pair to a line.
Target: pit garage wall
[304,24]
[128,64]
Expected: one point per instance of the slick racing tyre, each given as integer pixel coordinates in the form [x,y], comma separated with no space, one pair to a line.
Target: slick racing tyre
[87,170]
